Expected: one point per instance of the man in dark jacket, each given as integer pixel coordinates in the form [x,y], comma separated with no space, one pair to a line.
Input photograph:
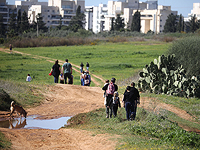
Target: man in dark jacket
[133,98]
[109,95]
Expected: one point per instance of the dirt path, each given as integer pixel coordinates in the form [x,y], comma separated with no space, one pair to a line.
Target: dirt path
[63,100]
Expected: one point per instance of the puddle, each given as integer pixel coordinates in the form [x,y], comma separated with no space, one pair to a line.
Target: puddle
[31,123]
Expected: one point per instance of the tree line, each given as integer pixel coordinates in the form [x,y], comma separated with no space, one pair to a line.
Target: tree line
[19,24]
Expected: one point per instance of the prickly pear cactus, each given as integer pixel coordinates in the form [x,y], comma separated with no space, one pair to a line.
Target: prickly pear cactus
[164,75]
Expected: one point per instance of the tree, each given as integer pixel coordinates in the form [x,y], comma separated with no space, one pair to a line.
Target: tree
[19,14]
[12,29]
[136,24]
[112,24]
[119,23]
[180,24]
[194,24]
[60,24]
[170,25]
[2,27]
[24,27]
[40,24]
[77,21]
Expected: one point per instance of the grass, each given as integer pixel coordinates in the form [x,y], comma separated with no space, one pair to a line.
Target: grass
[4,142]
[149,131]
[120,60]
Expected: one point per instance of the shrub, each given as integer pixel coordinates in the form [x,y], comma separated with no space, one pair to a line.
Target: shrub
[5,100]
[187,51]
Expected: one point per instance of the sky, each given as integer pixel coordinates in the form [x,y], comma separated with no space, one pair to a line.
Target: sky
[183,7]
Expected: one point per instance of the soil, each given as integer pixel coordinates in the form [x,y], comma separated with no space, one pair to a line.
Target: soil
[64,100]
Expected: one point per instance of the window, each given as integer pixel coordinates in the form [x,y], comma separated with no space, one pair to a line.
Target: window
[160,25]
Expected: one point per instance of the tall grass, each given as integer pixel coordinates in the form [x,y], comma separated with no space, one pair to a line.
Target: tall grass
[149,131]
[187,51]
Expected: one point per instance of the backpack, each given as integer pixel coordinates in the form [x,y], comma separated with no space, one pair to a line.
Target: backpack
[111,89]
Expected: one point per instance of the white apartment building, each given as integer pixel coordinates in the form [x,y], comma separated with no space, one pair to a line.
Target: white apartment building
[52,11]
[153,17]
[89,17]
[195,11]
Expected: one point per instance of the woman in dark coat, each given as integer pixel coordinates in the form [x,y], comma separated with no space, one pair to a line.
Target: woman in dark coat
[56,71]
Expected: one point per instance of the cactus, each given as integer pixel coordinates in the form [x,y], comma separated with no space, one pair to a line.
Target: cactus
[166,76]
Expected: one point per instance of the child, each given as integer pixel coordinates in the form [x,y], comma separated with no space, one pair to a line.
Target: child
[61,78]
[28,78]
[116,103]
[104,94]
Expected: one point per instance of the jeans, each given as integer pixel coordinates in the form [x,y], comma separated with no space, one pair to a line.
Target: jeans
[128,109]
[55,79]
[82,82]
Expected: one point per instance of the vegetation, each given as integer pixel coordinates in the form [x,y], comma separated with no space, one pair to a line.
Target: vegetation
[148,131]
[119,23]
[4,142]
[187,52]
[170,25]
[136,23]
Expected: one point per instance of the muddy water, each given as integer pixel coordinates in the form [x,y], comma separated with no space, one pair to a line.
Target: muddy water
[32,123]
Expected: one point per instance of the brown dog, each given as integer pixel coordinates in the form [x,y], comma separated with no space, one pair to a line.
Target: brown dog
[20,111]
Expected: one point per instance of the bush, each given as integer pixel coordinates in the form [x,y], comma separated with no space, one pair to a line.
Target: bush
[187,52]
[5,100]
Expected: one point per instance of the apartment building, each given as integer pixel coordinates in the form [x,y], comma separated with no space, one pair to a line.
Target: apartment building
[52,11]
[6,11]
[195,11]
[153,17]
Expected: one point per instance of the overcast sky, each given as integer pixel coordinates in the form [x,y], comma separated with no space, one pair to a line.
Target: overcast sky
[182,6]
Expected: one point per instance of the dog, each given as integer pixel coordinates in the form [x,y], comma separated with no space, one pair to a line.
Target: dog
[20,111]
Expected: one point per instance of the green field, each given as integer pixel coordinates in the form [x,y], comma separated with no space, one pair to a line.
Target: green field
[121,60]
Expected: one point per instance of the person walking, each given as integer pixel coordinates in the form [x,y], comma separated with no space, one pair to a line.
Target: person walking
[87,66]
[82,78]
[56,71]
[110,89]
[136,98]
[87,79]
[116,103]
[67,70]
[81,67]
[128,101]
[10,46]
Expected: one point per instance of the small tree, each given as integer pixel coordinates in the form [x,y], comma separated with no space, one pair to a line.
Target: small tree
[170,25]
[193,24]
[77,21]
[12,26]
[24,23]
[112,25]
[19,21]
[119,23]
[136,24]
[2,27]
[180,24]
[40,24]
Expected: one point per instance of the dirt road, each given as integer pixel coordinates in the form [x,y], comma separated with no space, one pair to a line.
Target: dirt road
[63,100]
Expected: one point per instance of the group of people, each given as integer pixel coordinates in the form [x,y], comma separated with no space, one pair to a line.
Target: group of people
[85,78]
[112,102]
[64,73]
